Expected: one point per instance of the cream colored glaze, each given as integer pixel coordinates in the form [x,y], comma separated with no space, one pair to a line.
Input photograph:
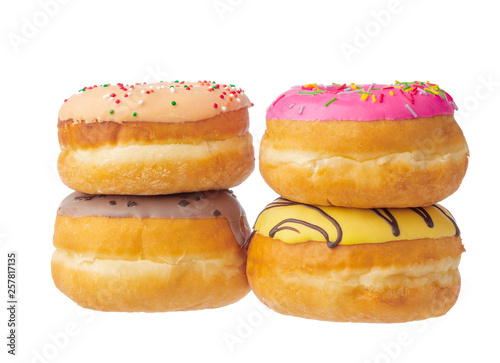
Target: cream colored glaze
[197,103]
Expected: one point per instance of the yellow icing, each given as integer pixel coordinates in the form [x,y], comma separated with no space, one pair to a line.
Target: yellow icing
[358,225]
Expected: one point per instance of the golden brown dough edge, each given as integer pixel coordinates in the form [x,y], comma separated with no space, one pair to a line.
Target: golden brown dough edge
[390,282]
[151,170]
[428,135]
[128,264]
[74,136]
[397,181]
[365,164]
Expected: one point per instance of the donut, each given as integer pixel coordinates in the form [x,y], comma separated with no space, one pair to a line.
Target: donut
[364,146]
[381,265]
[151,139]
[151,253]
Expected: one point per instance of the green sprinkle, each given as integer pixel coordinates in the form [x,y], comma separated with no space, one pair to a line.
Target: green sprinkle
[328,103]
[407,87]
[214,87]
[111,111]
[232,85]
[174,103]
[134,114]
[176,81]
[310,93]
[105,85]
[185,85]
[426,90]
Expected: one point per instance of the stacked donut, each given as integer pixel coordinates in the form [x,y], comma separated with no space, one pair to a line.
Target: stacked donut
[357,235]
[152,225]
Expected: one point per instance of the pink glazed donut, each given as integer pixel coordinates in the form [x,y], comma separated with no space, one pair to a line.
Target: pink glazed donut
[364,146]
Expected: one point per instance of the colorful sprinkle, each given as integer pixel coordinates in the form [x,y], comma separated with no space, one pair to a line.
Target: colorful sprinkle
[173,103]
[111,111]
[411,110]
[301,109]
[134,114]
[328,103]
[215,105]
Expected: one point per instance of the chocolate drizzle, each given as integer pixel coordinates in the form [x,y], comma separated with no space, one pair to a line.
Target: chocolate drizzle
[442,210]
[200,205]
[282,202]
[425,216]
[389,218]
[278,228]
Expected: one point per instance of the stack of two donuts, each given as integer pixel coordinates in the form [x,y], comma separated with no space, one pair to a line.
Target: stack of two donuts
[152,225]
[357,235]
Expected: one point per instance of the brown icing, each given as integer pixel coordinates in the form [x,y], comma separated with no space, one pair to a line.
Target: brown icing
[200,205]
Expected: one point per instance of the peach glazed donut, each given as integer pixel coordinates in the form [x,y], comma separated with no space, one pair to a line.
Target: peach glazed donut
[150,139]
[151,253]
[364,146]
[359,265]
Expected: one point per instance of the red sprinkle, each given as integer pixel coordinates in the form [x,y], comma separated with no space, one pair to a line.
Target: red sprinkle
[112,95]
[381,97]
[125,95]
[215,105]
[117,101]
[147,92]
[65,100]
[409,98]
[221,96]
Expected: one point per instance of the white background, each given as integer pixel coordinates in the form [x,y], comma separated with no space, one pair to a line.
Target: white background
[264,47]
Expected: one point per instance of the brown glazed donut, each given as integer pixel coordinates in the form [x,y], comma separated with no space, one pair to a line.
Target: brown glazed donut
[151,254]
[151,139]
[355,265]
[364,146]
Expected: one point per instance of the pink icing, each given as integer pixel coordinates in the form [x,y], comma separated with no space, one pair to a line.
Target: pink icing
[410,100]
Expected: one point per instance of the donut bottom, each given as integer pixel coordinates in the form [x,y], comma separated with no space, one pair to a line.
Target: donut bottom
[148,265]
[398,180]
[153,169]
[371,283]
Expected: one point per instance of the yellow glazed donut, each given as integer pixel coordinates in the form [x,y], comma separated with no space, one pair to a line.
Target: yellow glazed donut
[151,253]
[359,265]
[149,139]
[364,146]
